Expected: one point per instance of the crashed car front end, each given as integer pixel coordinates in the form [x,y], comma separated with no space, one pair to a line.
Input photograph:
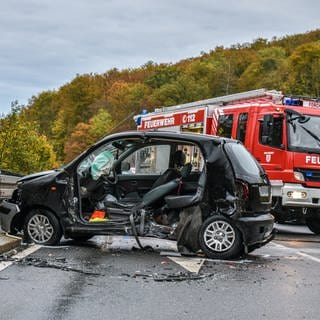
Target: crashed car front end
[8,211]
[40,190]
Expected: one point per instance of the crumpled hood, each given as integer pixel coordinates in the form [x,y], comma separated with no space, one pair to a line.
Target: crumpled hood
[36,175]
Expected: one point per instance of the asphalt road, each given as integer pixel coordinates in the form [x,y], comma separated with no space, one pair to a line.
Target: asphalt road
[103,279]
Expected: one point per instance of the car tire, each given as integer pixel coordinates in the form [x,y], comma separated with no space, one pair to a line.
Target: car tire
[313,223]
[220,239]
[42,227]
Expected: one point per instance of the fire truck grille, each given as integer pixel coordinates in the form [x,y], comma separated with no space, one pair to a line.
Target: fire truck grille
[310,175]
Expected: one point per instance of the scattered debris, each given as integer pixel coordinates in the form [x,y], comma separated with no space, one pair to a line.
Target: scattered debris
[167,277]
[141,274]
[41,263]
[180,276]
[170,253]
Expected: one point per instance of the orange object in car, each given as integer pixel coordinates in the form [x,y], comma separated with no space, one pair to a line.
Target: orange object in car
[98,215]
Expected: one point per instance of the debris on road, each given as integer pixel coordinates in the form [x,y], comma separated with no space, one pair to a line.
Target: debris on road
[42,263]
[180,276]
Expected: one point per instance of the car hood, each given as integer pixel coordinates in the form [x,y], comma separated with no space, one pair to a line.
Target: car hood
[36,175]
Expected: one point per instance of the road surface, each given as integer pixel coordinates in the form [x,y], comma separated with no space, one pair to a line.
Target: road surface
[103,279]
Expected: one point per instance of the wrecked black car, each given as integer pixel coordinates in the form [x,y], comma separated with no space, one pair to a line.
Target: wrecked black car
[207,193]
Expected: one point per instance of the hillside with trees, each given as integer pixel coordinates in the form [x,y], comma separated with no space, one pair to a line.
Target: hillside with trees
[57,125]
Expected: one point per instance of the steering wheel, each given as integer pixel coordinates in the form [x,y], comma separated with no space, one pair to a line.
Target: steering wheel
[112,177]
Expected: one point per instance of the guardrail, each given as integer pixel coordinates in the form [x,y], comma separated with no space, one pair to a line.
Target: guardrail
[8,182]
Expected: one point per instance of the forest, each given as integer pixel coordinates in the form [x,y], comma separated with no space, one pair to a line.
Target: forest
[56,125]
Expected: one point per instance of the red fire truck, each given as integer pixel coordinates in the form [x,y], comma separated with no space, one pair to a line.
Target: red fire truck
[282,132]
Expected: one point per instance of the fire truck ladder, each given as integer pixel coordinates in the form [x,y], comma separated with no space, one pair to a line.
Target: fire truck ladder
[224,100]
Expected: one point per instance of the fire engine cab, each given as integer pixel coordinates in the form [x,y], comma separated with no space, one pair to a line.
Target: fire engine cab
[282,132]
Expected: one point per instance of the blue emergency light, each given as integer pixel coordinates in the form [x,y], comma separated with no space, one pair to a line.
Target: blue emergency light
[292,102]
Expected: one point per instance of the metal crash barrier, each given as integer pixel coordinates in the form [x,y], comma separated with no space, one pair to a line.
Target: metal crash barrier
[8,182]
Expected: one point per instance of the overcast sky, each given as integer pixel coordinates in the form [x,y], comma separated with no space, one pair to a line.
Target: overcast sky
[45,43]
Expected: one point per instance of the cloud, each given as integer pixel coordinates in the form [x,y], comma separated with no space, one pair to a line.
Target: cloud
[44,43]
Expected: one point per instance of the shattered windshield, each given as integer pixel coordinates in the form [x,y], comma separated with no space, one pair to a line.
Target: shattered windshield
[304,135]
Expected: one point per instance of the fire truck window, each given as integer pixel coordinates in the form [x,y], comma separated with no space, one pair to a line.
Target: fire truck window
[242,126]
[273,136]
[225,123]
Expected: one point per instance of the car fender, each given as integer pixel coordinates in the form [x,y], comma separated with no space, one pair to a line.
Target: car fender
[8,212]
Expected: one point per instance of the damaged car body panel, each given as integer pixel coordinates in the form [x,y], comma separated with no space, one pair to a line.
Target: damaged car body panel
[208,193]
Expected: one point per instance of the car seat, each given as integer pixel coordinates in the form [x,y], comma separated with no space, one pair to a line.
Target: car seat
[160,188]
[179,160]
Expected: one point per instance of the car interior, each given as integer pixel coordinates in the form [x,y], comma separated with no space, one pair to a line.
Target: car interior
[131,174]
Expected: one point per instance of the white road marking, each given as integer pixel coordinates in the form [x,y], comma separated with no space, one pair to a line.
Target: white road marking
[190,264]
[19,256]
[300,253]
[309,256]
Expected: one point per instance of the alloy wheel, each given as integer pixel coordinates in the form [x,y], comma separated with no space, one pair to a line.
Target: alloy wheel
[219,236]
[40,229]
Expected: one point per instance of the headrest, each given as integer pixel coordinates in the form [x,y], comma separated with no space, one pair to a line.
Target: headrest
[179,158]
[186,170]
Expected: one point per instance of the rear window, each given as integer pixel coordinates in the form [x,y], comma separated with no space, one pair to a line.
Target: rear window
[242,160]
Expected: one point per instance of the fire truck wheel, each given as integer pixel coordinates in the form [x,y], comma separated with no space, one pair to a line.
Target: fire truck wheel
[313,223]
[220,239]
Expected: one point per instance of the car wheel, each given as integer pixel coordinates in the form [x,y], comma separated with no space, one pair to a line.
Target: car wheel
[42,227]
[313,223]
[220,239]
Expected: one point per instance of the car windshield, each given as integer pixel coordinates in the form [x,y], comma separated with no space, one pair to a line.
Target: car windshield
[304,134]
[101,160]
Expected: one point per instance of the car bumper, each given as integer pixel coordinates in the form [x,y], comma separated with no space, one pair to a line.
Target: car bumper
[8,211]
[257,231]
[296,195]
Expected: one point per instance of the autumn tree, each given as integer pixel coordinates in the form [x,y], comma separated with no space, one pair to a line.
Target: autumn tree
[163,74]
[22,148]
[86,134]
[268,70]
[126,99]
[304,66]
[44,110]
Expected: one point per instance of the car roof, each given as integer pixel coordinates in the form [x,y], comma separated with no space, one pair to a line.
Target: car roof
[196,138]
[165,134]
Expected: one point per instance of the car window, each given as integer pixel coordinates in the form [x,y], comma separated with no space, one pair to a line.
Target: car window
[274,134]
[225,123]
[193,156]
[151,160]
[243,161]
[156,159]
[242,126]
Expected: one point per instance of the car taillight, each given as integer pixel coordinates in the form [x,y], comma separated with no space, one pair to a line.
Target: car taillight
[243,190]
